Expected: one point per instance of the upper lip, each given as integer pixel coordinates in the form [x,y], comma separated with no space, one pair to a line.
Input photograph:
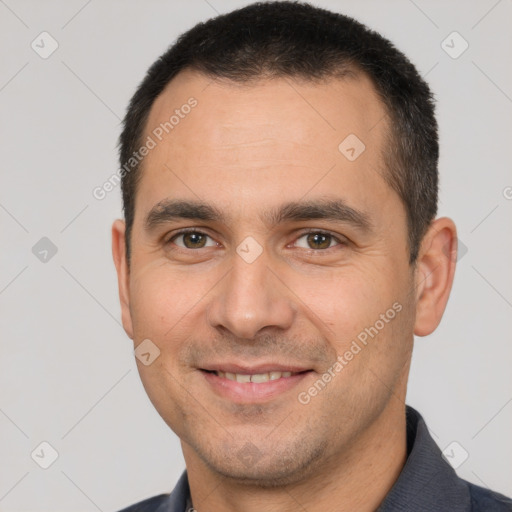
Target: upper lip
[253,369]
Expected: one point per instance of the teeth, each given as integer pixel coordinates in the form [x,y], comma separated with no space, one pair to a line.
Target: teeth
[257,377]
[260,377]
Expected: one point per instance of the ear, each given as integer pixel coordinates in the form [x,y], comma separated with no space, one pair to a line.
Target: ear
[123,273]
[434,273]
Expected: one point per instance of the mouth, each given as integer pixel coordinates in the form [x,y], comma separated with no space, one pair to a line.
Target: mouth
[257,378]
[244,385]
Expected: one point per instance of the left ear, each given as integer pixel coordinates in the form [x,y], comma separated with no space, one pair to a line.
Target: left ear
[435,269]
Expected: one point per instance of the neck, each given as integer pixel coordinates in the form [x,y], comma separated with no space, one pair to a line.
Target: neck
[357,479]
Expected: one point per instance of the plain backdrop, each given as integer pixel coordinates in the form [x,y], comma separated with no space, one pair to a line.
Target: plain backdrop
[67,371]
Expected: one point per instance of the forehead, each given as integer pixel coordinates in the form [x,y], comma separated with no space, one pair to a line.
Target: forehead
[267,138]
[298,109]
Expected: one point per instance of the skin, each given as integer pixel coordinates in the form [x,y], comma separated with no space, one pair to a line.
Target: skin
[247,149]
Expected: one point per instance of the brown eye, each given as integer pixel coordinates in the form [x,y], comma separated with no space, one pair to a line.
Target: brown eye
[317,240]
[191,240]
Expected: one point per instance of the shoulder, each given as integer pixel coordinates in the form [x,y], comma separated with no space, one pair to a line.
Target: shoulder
[150,505]
[485,500]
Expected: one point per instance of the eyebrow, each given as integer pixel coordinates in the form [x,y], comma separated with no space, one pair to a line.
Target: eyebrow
[336,210]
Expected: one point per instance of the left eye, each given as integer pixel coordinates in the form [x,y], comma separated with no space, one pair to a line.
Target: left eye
[317,240]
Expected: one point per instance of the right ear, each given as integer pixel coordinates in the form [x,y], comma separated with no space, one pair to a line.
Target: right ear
[123,273]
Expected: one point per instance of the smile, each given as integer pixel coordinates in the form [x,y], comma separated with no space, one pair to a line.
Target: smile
[255,377]
[257,387]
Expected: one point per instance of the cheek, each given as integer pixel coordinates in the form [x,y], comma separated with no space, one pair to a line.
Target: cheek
[161,301]
[344,302]
[363,315]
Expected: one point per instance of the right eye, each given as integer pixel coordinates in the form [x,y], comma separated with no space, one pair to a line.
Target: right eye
[191,239]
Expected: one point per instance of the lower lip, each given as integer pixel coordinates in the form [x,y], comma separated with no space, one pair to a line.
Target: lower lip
[246,392]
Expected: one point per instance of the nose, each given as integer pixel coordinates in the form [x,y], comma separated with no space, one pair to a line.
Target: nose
[251,298]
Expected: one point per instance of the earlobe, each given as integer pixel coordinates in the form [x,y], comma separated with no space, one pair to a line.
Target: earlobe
[434,274]
[119,255]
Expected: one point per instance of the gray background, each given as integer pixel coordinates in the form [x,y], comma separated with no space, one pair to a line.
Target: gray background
[67,371]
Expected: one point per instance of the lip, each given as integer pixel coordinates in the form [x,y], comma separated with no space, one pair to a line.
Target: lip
[252,369]
[251,392]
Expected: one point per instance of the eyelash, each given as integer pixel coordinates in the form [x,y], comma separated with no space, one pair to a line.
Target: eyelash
[341,242]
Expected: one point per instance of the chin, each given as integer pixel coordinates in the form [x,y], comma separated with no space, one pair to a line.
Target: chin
[277,468]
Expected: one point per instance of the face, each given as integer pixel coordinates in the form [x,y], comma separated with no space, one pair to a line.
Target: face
[292,276]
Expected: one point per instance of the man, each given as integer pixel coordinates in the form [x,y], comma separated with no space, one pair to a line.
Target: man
[278,254]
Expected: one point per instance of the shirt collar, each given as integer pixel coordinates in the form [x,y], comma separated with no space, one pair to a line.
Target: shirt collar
[427,482]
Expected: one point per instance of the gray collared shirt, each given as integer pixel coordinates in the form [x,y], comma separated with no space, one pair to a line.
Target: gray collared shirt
[427,483]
